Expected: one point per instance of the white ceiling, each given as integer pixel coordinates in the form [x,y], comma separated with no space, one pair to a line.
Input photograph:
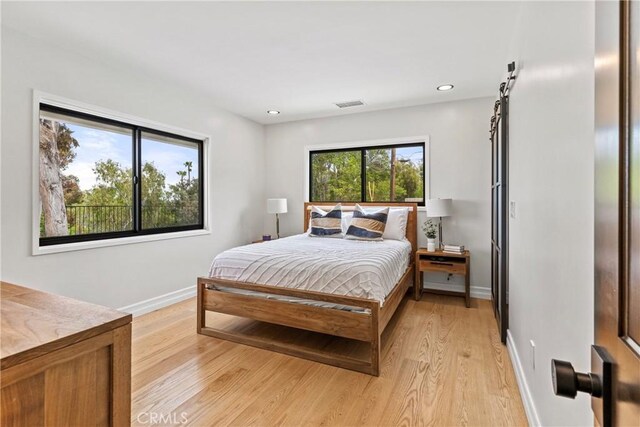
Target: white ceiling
[296,57]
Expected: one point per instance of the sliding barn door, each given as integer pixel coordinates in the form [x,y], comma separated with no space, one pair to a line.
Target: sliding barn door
[499,218]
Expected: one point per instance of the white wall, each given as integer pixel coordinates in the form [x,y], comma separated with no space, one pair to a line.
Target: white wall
[120,275]
[460,167]
[551,181]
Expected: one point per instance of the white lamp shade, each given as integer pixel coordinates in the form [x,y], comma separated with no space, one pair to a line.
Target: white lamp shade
[439,207]
[276,206]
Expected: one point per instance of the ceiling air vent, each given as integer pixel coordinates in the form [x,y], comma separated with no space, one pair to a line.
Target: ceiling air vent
[349,104]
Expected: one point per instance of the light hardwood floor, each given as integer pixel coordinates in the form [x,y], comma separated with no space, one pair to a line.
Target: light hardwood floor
[442,365]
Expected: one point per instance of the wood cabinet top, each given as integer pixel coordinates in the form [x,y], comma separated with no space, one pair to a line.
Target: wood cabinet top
[34,323]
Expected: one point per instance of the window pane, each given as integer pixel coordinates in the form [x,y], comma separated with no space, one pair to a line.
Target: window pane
[395,174]
[86,184]
[170,182]
[336,176]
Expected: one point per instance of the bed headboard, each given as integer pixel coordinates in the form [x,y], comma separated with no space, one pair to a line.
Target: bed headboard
[412,218]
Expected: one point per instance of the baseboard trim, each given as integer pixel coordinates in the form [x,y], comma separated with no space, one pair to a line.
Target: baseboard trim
[156,303]
[476,291]
[525,392]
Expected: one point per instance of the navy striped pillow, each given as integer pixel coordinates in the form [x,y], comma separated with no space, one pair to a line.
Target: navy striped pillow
[326,224]
[367,226]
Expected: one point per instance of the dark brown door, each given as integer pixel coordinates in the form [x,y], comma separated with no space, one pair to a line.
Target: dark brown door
[614,380]
[617,230]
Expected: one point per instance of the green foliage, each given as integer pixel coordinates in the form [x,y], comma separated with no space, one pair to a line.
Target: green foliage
[184,195]
[153,185]
[64,139]
[66,143]
[378,175]
[429,228]
[336,176]
[408,181]
[72,192]
[108,205]
[113,185]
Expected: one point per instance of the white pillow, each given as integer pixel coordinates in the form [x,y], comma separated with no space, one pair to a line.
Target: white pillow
[396,228]
[346,221]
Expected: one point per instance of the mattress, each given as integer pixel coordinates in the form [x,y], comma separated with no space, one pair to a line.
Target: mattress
[336,266]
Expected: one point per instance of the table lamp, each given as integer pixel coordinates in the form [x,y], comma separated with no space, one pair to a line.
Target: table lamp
[277,206]
[439,208]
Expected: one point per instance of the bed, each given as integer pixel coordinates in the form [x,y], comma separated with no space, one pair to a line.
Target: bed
[339,287]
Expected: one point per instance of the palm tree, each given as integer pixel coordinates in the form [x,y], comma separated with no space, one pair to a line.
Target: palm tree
[181,174]
[189,166]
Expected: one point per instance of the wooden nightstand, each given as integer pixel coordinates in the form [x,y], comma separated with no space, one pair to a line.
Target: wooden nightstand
[442,262]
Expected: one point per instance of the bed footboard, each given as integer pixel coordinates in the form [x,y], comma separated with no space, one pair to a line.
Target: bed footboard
[363,325]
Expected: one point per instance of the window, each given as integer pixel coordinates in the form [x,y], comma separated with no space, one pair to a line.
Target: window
[101,179]
[389,173]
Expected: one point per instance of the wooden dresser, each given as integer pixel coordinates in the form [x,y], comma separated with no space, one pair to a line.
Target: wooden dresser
[63,362]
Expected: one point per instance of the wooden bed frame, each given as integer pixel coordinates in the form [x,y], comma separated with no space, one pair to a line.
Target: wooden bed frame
[366,325]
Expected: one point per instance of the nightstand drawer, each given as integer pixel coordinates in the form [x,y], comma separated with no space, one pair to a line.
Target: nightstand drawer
[443,266]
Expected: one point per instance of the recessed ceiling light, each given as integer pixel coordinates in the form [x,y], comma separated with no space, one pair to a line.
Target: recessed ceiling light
[273,112]
[445,87]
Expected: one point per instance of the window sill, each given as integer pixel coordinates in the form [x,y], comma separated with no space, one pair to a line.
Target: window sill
[79,246]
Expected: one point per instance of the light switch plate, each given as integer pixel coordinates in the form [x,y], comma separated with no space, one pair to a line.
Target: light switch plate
[512,209]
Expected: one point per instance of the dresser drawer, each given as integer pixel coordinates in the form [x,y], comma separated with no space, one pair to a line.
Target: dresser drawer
[452,267]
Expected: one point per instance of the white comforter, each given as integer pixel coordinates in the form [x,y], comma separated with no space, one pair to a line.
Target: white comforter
[331,265]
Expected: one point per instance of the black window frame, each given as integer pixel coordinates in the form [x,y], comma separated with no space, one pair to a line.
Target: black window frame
[363,170]
[136,141]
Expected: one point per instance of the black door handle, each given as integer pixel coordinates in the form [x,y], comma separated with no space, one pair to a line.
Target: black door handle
[598,383]
[567,382]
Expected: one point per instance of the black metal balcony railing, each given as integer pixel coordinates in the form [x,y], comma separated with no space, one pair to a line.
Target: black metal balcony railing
[86,219]
[99,219]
